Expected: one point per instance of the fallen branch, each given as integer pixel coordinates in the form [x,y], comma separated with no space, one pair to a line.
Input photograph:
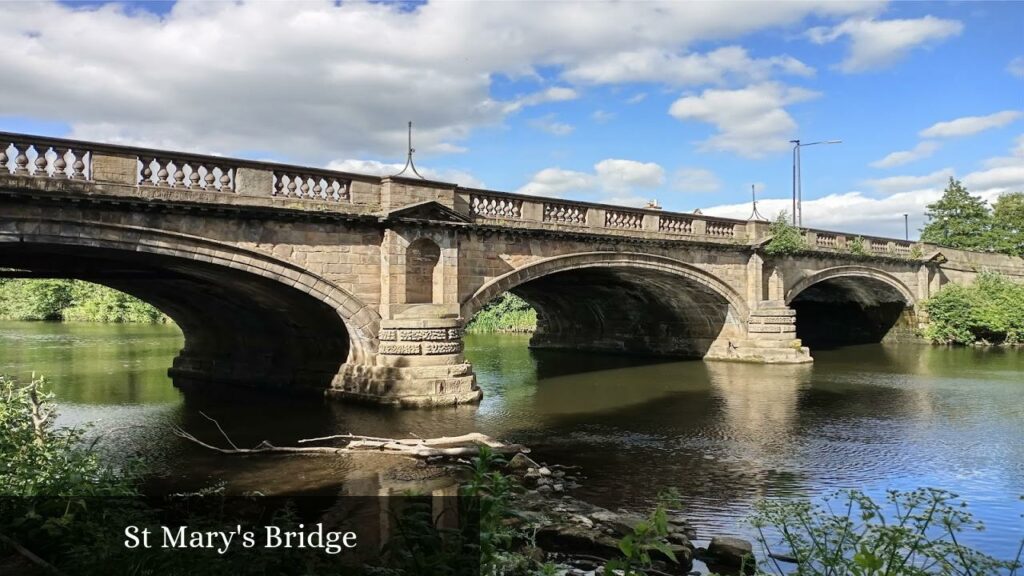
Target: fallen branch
[451,447]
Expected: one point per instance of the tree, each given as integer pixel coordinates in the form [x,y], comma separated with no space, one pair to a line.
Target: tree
[958,220]
[1008,224]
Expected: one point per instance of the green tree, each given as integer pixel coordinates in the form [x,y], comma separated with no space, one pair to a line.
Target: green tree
[1008,224]
[958,220]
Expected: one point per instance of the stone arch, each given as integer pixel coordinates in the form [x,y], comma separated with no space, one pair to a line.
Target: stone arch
[623,302]
[422,272]
[159,259]
[851,305]
[851,272]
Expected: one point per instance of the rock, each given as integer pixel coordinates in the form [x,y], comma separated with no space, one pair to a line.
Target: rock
[544,488]
[559,488]
[579,539]
[544,471]
[731,551]
[521,462]
[582,520]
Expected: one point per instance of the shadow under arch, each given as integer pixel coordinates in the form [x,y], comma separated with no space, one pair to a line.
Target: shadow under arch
[851,305]
[247,318]
[622,302]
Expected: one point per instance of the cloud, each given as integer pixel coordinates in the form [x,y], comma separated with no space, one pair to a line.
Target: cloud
[999,179]
[549,124]
[688,179]
[750,121]
[622,175]
[555,94]
[922,150]
[615,178]
[320,80]
[377,168]
[894,184]
[970,125]
[1016,67]
[636,98]
[851,212]
[602,116]
[730,63]
[878,44]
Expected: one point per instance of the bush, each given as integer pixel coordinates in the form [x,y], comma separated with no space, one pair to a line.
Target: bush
[856,246]
[785,238]
[912,533]
[989,311]
[506,313]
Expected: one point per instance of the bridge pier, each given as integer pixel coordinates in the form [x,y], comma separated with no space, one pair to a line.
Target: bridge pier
[419,362]
[771,338]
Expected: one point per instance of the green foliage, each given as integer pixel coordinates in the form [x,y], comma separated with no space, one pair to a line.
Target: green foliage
[1008,224]
[990,311]
[506,313]
[785,238]
[856,246]
[913,533]
[648,536]
[958,219]
[491,491]
[72,301]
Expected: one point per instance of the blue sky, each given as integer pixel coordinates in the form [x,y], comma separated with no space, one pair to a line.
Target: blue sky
[688,104]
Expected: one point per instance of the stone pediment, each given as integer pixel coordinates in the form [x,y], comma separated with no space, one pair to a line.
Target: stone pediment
[428,210]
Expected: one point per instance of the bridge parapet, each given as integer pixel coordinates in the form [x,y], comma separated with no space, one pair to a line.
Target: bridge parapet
[831,241]
[518,210]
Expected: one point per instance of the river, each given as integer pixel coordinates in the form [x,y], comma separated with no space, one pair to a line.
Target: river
[722,434]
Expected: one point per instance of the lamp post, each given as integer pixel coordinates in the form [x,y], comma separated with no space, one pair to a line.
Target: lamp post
[798,216]
[906,227]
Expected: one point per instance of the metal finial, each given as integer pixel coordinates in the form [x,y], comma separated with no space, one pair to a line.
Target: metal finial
[409,164]
[754,214]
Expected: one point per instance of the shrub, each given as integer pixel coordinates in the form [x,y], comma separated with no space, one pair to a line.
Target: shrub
[856,246]
[785,238]
[506,313]
[988,311]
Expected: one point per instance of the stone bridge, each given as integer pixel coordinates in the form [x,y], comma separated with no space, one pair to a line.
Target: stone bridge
[293,277]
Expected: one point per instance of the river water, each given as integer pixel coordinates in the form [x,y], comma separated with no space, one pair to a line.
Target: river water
[724,435]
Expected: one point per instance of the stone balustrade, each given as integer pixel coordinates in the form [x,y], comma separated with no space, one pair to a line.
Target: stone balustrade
[873,245]
[145,169]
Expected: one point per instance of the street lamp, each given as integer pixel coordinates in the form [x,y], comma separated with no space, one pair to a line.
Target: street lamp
[798,216]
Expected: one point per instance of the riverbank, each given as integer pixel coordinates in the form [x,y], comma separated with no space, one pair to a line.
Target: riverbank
[507,313]
[73,301]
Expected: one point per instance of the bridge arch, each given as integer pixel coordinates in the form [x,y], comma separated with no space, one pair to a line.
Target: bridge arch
[851,305]
[247,317]
[623,302]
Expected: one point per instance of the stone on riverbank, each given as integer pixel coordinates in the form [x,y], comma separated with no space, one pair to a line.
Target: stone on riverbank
[731,551]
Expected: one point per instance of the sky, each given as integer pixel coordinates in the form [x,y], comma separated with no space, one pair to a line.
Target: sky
[688,104]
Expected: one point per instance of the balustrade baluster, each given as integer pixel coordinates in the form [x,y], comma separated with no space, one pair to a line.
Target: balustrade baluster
[278,185]
[41,161]
[60,165]
[292,186]
[225,179]
[193,177]
[161,172]
[21,160]
[179,174]
[3,159]
[78,166]
[304,189]
[210,179]
[145,171]
[317,189]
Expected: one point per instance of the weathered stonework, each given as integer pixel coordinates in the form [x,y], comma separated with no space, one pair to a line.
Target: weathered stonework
[359,286]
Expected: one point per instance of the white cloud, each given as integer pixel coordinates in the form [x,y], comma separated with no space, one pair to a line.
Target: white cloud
[970,125]
[880,43]
[751,121]
[555,183]
[730,63]
[894,184]
[621,175]
[615,178]
[922,150]
[999,179]
[602,116]
[636,98]
[319,80]
[549,124]
[555,94]
[377,168]
[695,180]
[1016,67]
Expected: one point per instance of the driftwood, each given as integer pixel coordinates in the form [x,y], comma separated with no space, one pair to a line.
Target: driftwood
[452,446]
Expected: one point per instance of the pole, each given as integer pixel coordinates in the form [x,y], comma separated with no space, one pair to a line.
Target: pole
[799,190]
[796,148]
[906,227]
